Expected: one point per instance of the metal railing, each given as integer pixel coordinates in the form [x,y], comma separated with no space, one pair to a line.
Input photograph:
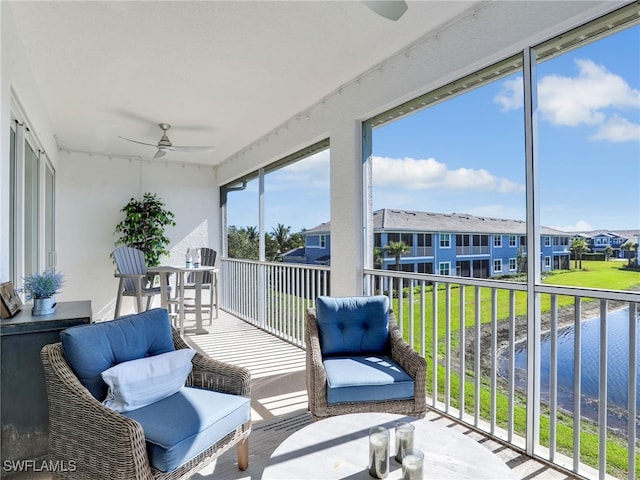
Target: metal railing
[272,296]
[484,370]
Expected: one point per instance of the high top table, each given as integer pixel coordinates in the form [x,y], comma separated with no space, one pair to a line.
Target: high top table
[165,271]
[338,448]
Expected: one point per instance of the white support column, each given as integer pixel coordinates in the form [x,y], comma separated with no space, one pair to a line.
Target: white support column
[533,252]
[347,249]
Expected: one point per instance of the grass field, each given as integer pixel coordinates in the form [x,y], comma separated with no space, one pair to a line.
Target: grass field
[601,275]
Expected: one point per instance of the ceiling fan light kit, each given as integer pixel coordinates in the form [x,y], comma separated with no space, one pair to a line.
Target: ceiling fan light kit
[390,9]
[164,144]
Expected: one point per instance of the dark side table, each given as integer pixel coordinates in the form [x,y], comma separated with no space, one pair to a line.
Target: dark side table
[25,417]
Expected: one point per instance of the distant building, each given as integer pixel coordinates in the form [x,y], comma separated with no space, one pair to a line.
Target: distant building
[446,244]
[599,240]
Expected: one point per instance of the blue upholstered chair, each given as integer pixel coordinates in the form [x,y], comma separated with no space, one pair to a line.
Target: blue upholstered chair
[357,360]
[128,399]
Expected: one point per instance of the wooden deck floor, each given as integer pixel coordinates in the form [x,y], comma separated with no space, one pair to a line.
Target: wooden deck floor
[279,400]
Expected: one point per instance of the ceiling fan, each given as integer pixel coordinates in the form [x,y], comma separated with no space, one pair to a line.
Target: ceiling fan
[390,9]
[164,144]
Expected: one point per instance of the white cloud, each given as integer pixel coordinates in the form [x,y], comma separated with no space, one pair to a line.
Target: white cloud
[617,129]
[511,97]
[420,174]
[576,100]
[579,226]
[585,99]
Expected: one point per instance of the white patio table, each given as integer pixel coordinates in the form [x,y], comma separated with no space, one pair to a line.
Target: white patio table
[165,271]
[338,448]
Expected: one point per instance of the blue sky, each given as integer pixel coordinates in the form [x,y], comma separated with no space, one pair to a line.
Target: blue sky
[466,154]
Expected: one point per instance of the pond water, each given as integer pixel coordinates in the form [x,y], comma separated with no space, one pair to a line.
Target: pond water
[617,368]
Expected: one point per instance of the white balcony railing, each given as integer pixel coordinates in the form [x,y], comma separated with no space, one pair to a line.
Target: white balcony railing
[479,357]
[273,296]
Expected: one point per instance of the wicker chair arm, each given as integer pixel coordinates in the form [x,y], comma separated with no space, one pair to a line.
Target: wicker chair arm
[81,427]
[410,360]
[316,375]
[214,374]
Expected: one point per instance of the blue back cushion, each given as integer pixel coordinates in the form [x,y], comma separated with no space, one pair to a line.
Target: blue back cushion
[91,349]
[353,325]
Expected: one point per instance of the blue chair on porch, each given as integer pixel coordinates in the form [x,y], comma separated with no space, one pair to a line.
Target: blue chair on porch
[357,360]
[128,399]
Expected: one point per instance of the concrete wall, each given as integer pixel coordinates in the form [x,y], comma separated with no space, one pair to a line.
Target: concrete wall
[91,192]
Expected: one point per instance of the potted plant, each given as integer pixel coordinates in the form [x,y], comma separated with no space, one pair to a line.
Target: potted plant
[144,227]
[41,288]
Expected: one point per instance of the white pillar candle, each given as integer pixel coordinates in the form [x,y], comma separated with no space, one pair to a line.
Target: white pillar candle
[404,439]
[412,464]
[379,452]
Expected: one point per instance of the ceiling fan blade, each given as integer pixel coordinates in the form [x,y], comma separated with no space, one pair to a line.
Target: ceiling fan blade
[177,148]
[141,143]
[391,9]
[160,153]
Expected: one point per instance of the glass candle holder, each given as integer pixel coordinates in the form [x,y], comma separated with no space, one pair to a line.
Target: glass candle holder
[412,464]
[404,439]
[379,452]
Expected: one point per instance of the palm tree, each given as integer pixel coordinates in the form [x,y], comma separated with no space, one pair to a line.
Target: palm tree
[608,251]
[630,247]
[281,236]
[397,249]
[377,257]
[578,247]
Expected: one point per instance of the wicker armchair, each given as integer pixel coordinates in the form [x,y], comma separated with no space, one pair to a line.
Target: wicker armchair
[91,441]
[400,352]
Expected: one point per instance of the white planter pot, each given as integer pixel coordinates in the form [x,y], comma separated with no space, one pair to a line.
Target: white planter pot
[44,306]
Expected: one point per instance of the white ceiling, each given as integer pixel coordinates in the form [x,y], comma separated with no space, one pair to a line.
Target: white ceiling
[222,73]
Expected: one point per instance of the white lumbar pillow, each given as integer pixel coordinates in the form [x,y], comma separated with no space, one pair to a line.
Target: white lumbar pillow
[140,382]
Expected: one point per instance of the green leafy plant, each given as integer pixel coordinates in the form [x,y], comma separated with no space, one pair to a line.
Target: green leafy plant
[42,285]
[144,227]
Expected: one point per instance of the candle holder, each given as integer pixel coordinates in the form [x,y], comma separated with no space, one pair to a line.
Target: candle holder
[404,439]
[379,452]
[412,464]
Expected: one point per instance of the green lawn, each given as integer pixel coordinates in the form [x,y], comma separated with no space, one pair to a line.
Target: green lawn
[605,275]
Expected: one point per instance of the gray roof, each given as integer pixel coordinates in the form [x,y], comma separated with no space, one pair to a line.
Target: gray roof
[628,234]
[391,219]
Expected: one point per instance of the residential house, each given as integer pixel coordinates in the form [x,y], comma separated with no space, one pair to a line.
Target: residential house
[599,240]
[446,244]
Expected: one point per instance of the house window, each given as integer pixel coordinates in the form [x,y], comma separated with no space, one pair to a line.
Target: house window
[547,241]
[323,241]
[444,268]
[513,242]
[547,262]
[445,240]
[497,241]
[497,265]
[513,264]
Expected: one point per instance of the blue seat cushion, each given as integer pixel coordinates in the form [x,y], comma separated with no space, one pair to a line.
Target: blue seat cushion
[181,426]
[366,378]
[92,349]
[353,325]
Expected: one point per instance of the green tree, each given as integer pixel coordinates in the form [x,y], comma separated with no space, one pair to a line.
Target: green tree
[377,257]
[397,249]
[630,247]
[608,251]
[521,260]
[281,236]
[578,247]
[242,243]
